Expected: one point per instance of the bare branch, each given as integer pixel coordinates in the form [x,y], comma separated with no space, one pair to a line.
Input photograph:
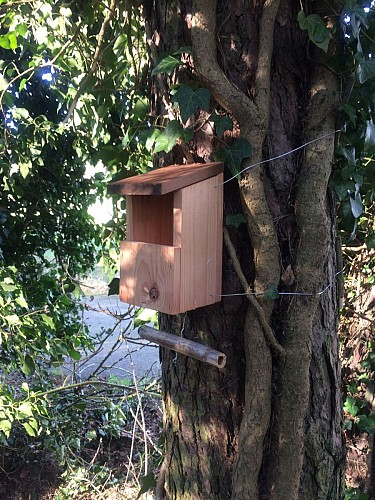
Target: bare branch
[268,333]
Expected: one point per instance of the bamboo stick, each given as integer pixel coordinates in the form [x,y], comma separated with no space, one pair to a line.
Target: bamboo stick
[184,346]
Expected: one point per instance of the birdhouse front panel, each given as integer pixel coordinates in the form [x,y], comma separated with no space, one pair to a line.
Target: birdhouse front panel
[172,258]
[150,276]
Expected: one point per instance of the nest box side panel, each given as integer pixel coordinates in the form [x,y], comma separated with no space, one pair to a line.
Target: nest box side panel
[150,276]
[201,243]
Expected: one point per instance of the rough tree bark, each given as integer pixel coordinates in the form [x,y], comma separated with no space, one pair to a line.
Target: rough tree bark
[268,425]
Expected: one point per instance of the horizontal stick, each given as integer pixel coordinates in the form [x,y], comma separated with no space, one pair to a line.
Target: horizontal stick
[184,346]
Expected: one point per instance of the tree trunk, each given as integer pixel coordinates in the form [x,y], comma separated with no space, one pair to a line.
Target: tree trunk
[266,426]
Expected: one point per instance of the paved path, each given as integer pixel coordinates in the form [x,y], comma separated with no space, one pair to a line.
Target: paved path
[141,357]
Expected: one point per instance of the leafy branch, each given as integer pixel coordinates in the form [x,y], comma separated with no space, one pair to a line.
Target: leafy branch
[95,60]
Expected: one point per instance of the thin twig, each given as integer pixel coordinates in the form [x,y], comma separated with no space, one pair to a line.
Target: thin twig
[268,333]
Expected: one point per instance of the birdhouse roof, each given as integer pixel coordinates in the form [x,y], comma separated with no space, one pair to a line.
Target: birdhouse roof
[165,180]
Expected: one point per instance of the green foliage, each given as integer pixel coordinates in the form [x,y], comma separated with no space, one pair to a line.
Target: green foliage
[190,100]
[114,287]
[222,123]
[353,177]
[233,155]
[271,292]
[147,483]
[355,494]
[166,140]
[37,326]
[235,220]
[145,316]
[317,29]
[72,113]
[170,62]
[359,417]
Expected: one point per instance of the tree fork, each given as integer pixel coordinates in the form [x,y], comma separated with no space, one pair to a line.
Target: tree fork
[290,411]
[253,119]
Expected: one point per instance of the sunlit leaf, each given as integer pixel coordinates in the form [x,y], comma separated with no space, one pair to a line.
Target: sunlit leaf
[3,83]
[4,42]
[21,301]
[12,41]
[25,167]
[167,65]
[167,139]
[20,113]
[25,410]
[12,319]
[145,316]
[31,427]
[6,427]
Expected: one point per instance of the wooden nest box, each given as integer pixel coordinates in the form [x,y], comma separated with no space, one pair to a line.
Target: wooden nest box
[172,258]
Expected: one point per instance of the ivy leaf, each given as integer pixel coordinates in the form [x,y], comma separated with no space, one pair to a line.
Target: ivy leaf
[170,61]
[350,112]
[114,287]
[356,203]
[232,156]
[370,136]
[222,123]
[365,70]
[186,49]
[189,100]
[235,220]
[349,154]
[167,139]
[316,28]
[167,65]
[271,292]
[140,109]
[147,482]
[351,406]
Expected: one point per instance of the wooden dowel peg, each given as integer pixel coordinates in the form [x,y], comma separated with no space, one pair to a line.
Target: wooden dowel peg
[184,346]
